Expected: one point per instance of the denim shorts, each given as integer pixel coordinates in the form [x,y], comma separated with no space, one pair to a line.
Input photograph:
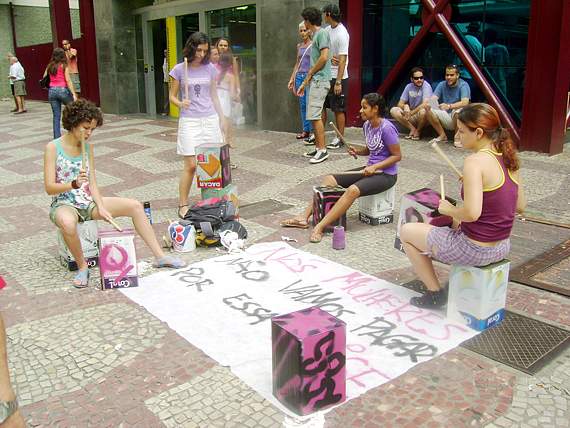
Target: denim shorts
[452,247]
[83,214]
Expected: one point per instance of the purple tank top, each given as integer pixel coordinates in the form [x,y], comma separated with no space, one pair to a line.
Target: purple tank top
[498,210]
[305,63]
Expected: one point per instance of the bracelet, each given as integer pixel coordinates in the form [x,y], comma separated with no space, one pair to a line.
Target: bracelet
[338,83]
[75,184]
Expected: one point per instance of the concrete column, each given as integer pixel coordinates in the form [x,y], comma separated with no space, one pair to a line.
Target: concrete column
[279,21]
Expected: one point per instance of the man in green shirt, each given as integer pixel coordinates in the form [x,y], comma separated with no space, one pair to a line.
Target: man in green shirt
[318,77]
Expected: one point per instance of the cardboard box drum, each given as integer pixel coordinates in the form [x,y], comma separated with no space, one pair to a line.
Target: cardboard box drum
[324,199]
[117,259]
[477,295]
[87,232]
[309,357]
[421,206]
[213,170]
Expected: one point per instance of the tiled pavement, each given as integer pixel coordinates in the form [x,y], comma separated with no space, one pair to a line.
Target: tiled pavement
[93,358]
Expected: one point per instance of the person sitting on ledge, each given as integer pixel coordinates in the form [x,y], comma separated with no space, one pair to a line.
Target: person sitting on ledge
[379,174]
[492,191]
[76,197]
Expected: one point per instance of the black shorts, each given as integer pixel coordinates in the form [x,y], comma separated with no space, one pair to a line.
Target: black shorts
[370,185]
[337,102]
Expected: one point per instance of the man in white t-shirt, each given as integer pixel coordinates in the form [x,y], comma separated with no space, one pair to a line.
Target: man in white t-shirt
[336,98]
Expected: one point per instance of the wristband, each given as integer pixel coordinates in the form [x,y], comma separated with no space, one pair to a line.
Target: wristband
[75,184]
[337,83]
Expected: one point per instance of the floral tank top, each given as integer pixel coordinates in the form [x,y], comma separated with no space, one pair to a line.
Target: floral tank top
[67,169]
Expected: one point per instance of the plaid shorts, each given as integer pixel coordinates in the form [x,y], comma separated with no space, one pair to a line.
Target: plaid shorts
[452,247]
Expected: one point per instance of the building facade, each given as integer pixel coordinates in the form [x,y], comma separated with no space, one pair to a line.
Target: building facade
[513,52]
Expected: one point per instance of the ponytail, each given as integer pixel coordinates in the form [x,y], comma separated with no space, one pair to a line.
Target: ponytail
[504,144]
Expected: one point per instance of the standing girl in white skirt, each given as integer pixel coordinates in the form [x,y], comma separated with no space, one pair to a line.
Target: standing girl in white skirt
[201,121]
[227,92]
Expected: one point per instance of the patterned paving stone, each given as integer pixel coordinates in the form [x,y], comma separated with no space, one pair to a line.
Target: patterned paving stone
[216,398]
[64,353]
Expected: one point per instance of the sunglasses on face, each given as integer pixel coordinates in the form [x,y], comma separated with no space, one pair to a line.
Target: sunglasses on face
[418,77]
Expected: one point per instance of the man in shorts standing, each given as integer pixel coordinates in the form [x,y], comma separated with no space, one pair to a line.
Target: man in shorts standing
[336,97]
[451,94]
[71,55]
[318,76]
[18,78]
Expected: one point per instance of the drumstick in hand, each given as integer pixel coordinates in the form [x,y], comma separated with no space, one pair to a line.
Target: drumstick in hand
[441,186]
[186,78]
[446,158]
[83,154]
[341,138]
[115,225]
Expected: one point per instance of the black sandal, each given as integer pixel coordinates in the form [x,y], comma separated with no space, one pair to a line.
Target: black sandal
[182,216]
[431,299]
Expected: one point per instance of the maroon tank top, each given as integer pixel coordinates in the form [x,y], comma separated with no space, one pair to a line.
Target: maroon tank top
[498,210]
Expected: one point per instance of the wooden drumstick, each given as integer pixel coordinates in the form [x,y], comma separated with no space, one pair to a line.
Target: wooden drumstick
[357,173]
[115,225]
[341,138]
[441,186]
[446,158]
[186,78]
[83,154]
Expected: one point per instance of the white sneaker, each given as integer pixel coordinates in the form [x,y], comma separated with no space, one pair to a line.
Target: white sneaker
[319,157]
[335,144]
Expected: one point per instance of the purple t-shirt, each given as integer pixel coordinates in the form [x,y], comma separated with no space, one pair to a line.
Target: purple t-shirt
[199,83]
[378,139]
[414,96]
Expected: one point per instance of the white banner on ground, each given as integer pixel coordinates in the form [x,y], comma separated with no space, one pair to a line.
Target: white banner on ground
[224,306]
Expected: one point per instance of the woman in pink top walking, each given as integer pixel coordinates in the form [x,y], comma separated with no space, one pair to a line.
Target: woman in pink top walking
[492,192]
[61,90]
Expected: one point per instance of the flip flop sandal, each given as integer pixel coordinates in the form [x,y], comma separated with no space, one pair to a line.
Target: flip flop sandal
[408,137]
[81,279]
[293,222]
[169,262]
[316,237]
[414,138]
[182,216]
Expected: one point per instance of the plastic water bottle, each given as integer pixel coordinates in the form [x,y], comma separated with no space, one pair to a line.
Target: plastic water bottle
[147,211]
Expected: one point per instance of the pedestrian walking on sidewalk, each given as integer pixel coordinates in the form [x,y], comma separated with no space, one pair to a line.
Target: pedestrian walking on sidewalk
[61,89]
[71,54]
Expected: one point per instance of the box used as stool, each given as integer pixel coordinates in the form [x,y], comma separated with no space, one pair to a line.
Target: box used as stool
[324,198]
[309,357]
[87,232]
[213,169]
[378,208]
[477,295]
[420,206]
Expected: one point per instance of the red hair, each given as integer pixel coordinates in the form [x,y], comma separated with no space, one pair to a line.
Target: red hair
[480,115]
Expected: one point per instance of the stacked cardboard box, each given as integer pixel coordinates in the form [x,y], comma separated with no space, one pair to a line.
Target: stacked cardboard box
[214,174]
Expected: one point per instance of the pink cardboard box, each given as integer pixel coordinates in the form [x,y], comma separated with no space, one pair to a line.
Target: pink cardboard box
[324,199]
[421,206]
[309,357]
[117,259]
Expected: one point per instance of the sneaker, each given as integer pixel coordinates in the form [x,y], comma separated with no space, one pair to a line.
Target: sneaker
[335,144]
[310,141]
[310,154]
[319,157]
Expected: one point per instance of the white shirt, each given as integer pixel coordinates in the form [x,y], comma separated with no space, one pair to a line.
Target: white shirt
[340,40]
[17,71]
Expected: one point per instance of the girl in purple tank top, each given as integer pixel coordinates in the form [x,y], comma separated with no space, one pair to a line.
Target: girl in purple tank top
[492,192]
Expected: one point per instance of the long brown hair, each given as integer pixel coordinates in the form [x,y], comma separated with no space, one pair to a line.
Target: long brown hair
[58,58]
[480,115]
